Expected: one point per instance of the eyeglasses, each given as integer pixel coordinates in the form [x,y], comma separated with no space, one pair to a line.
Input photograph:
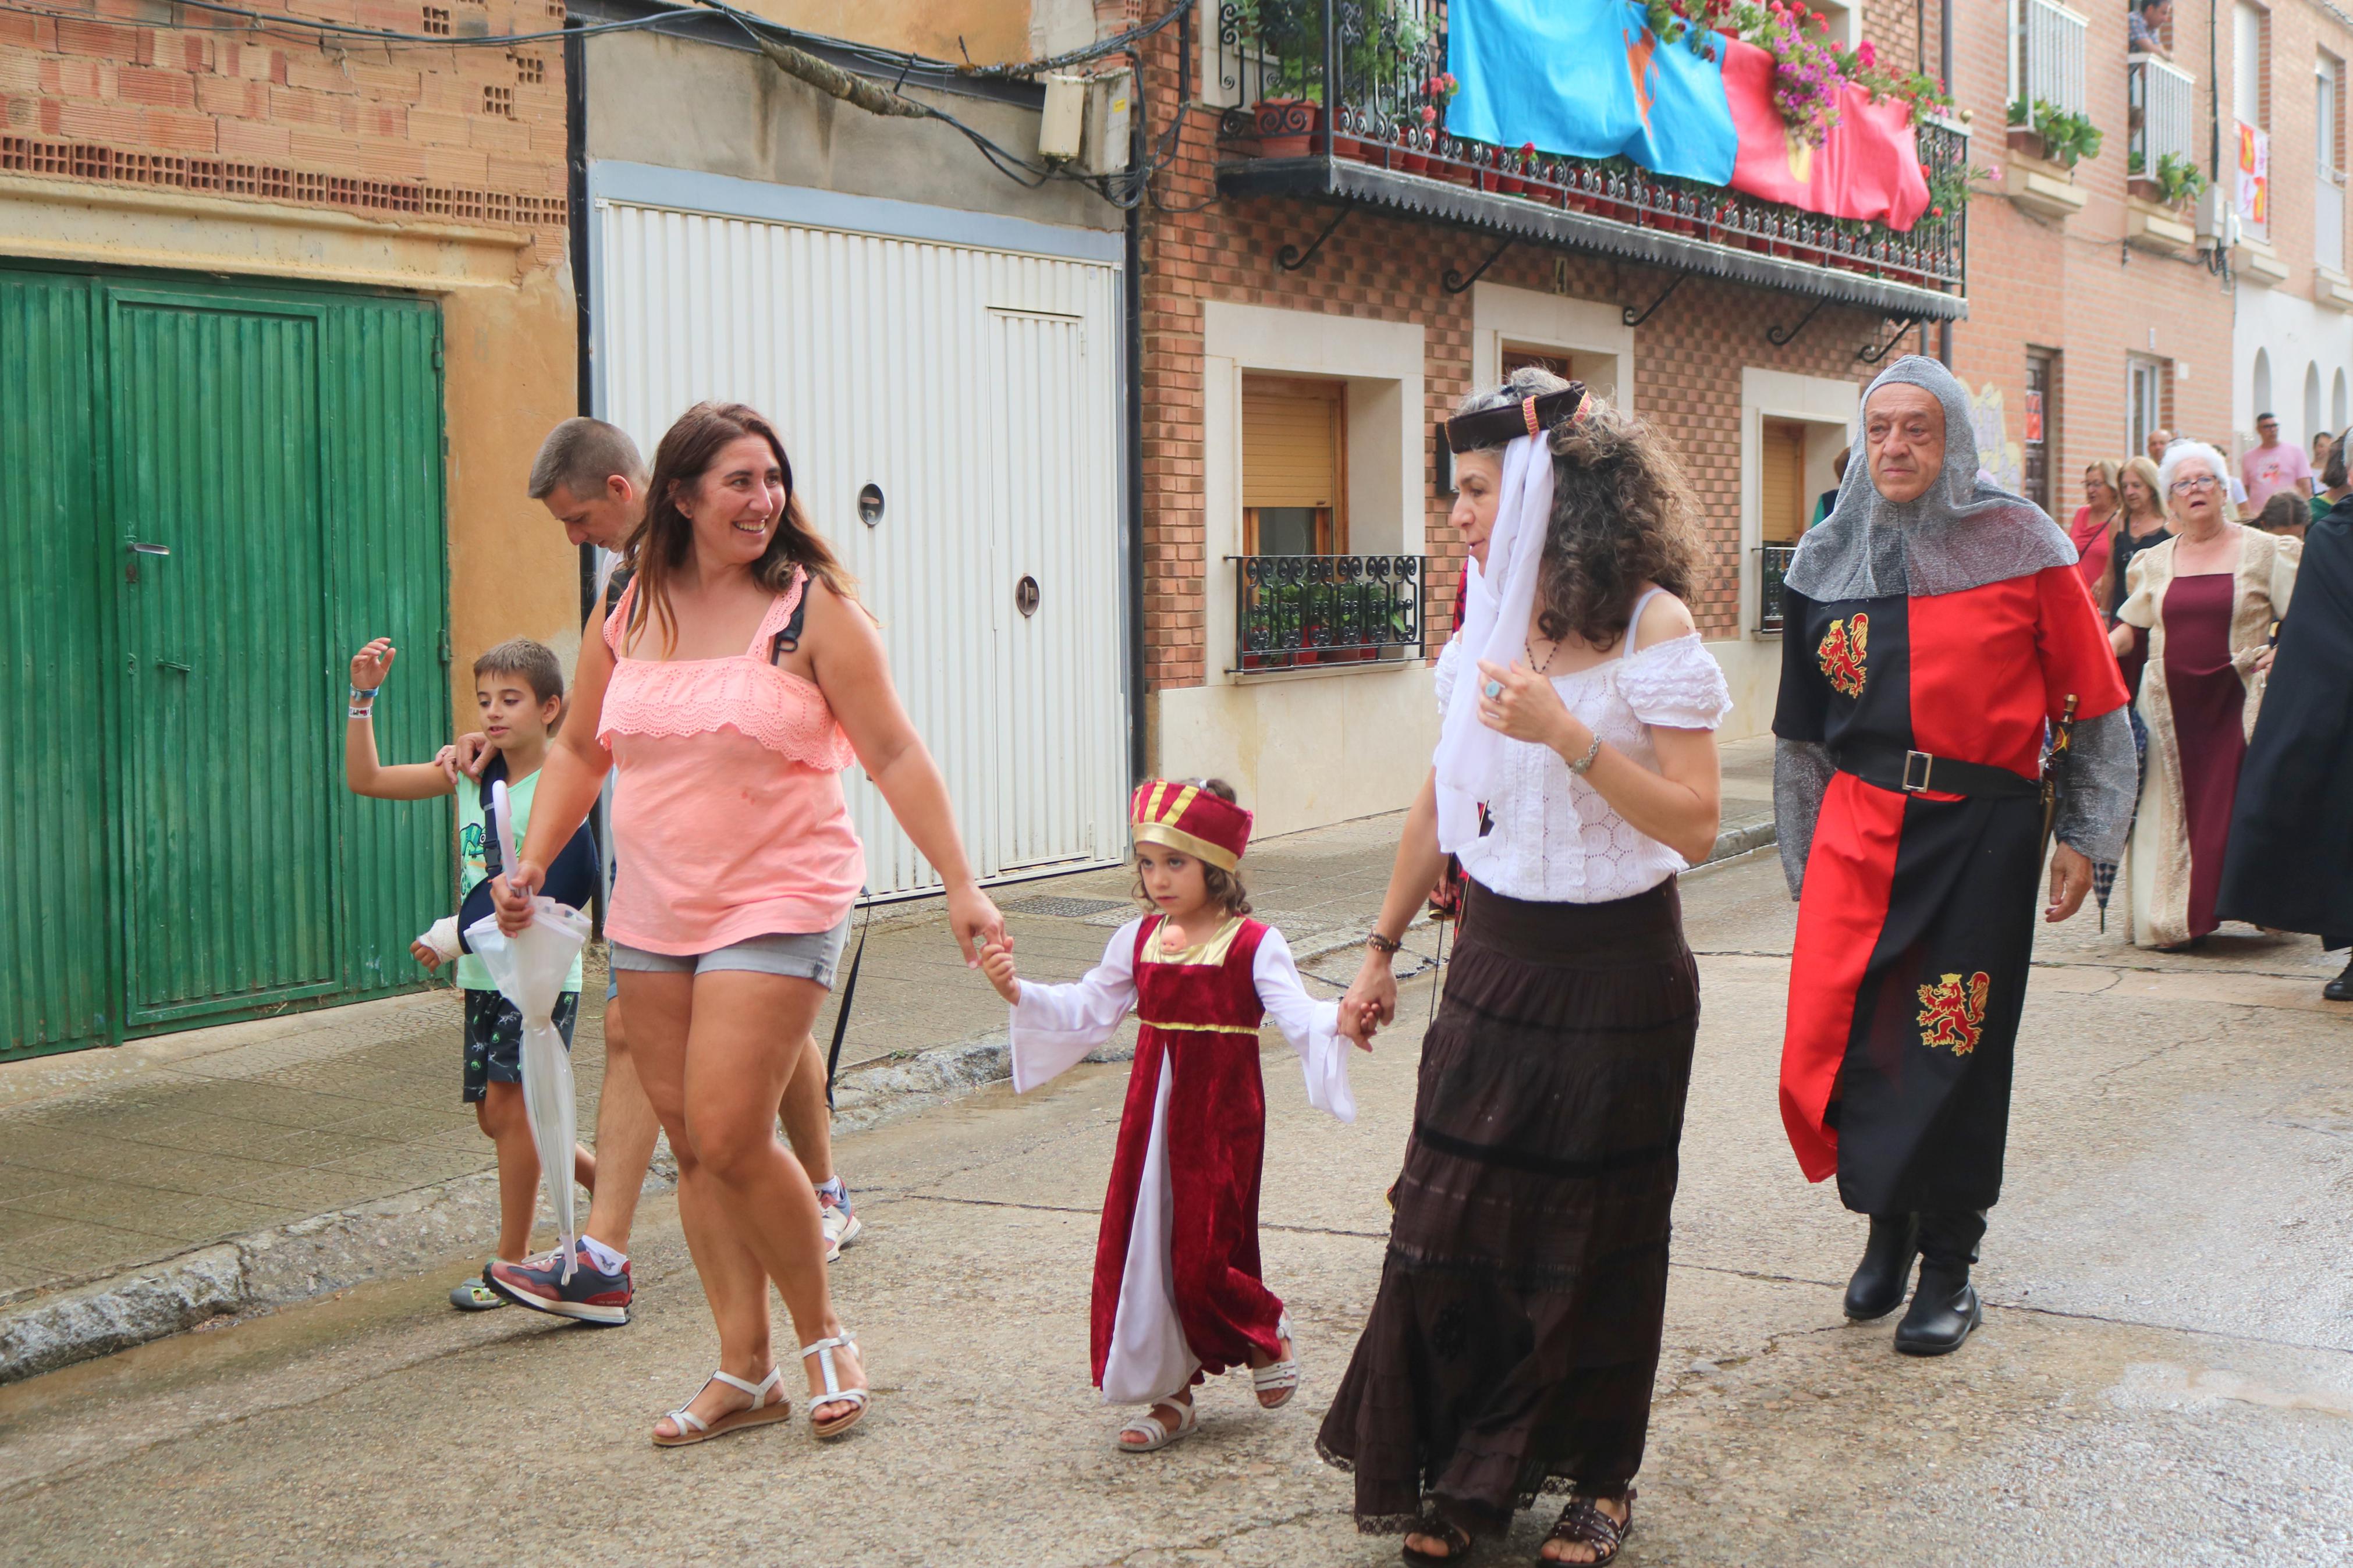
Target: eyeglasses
[2195,482]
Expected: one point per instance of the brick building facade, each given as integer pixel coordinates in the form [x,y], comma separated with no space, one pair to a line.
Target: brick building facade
[1702,368]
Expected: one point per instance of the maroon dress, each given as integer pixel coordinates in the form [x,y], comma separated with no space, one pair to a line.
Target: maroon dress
[1202,1020]
[2209,703]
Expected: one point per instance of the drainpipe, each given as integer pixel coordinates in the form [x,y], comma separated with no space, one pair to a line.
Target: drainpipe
[1132,293]
[575,161]
[1944,71]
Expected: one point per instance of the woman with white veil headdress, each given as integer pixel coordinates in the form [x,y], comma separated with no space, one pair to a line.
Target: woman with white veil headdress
[1512,1345]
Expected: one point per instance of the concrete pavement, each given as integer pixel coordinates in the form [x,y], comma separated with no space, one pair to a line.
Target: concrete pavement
[2165,1373]
[148,1188]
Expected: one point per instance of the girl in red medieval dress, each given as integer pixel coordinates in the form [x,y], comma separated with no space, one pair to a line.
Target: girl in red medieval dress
[1178,1295]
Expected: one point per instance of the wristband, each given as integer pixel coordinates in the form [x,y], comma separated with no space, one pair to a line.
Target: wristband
[358,714]
[364,693]
[1382,944]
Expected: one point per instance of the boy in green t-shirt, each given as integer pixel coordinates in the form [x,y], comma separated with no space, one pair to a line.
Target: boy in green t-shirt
[519,686]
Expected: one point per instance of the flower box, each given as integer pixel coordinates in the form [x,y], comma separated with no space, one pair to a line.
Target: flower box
[1285,126]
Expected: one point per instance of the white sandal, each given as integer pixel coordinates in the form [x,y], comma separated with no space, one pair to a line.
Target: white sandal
[834,1393]
[1279,1375]
[1158,1434]
[763,1410]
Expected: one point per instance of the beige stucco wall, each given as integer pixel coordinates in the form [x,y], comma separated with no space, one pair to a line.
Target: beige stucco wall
[992,32]
[1303,750]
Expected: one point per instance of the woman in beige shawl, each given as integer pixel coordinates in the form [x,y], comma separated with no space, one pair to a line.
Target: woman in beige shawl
[2206,601]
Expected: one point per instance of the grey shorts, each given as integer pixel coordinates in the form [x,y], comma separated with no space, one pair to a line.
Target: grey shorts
[796,956]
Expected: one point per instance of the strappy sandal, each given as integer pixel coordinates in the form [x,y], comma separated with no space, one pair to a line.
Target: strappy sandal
[1457,1539]
[693,1429]
[1282,1375]
[834,1393]
[1583,1523]
[1157,1434]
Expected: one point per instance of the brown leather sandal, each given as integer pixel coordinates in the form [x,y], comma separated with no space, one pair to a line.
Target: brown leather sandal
[1457,1539]
[1582,1523]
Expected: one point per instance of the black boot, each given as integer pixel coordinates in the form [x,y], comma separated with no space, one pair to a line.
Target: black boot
[1880,1280]
[1944,1309]
[2341,988]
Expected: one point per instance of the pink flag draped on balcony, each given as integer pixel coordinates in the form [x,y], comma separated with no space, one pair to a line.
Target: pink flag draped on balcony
[1867,167]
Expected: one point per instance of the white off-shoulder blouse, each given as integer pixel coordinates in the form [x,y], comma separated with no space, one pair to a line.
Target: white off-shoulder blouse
[1554,840]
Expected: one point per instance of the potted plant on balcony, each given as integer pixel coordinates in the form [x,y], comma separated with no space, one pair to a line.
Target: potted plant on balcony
[1290,33]
[2044,130]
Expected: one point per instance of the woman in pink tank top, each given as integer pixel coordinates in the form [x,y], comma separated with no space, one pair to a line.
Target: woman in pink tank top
[730,686]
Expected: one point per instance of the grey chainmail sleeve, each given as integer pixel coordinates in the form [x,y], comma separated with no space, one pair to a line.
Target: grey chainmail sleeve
[2099,783]
[1801,776]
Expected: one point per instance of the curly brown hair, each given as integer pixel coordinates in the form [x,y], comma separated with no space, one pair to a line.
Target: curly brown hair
[1622,515]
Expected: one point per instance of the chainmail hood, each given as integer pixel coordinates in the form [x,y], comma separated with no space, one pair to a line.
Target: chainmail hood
[1961,533]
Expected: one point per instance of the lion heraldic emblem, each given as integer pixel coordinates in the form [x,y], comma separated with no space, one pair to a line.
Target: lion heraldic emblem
[1952,1017]
[1841,652]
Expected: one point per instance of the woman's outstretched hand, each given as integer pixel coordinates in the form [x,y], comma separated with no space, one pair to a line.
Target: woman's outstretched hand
[511,894]
[1371,1001]
[974,916]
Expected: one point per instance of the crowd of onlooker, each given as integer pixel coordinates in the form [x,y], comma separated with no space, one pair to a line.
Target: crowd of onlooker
[2193,562]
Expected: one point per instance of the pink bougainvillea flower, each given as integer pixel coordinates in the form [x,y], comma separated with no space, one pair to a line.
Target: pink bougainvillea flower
[1866,55]
[1527,147]
[1935,212]
[1429,115]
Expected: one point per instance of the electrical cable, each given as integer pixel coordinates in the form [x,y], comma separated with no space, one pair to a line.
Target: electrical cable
[269,22]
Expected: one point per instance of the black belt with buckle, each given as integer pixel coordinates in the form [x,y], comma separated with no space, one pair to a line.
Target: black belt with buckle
[1914,772]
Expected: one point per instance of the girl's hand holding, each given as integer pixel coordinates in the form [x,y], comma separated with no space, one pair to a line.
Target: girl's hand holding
[975,918]
[1371,1001]
[425,955]
[996,962]
[511,894]
[1522,704]
[372,664]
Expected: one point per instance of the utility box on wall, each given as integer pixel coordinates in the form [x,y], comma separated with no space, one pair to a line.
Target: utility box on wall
[1107,133]
[1086,122]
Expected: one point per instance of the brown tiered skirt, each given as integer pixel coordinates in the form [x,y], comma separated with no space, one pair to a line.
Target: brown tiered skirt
[1512,1347]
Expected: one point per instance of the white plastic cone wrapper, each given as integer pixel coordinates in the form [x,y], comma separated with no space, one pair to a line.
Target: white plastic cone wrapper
[531,968]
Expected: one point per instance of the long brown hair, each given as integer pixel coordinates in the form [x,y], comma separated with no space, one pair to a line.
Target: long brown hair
[661,544]
[1623,514]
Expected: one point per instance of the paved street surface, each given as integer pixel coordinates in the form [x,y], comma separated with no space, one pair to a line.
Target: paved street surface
[2166,1374]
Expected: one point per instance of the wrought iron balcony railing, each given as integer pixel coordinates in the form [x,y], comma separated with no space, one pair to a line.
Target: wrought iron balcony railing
[1772,565]
[1295,610]
[1383,54]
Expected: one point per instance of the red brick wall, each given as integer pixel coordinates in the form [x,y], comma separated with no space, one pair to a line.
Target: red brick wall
[464,134]
[1687,360]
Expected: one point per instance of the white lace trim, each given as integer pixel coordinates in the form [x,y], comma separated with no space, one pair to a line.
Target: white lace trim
[1554,840]
[782,712]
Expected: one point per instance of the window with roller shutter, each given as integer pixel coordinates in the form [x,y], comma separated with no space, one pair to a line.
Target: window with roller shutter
[1294,466]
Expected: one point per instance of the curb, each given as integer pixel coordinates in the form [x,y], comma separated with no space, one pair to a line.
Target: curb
[411,1231]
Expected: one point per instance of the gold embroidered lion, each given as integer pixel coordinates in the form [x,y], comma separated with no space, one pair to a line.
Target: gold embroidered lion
[1841,652]
[1952,1016]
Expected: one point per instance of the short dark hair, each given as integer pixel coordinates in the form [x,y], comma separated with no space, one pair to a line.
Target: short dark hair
[534,661]
[580,454]
[1225,887]
[2332,472]
[2260,418]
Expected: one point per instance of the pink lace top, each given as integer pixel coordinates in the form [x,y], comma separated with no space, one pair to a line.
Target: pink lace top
[728,816]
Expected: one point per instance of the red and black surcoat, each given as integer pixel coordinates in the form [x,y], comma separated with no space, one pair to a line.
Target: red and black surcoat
[1916,925]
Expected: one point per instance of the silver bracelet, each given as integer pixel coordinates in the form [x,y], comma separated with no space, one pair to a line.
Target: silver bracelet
[1583,763]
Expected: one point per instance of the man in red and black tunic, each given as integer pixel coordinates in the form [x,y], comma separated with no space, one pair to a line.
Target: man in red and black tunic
[1934,626]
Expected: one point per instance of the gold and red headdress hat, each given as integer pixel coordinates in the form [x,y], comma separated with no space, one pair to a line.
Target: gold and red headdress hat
[1187,818]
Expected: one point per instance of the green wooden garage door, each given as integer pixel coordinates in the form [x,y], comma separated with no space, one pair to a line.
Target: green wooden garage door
[212,493]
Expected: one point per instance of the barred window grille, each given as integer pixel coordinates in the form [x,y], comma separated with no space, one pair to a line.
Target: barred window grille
[1292,611]
[1773,566]
[2164,104]
[2050,45]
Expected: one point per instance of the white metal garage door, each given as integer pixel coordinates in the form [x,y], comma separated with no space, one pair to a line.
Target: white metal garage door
[979,391]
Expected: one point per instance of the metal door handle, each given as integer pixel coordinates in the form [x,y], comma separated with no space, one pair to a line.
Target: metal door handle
[138,548]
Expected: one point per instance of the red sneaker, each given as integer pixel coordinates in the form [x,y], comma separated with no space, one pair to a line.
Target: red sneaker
[593,1294]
